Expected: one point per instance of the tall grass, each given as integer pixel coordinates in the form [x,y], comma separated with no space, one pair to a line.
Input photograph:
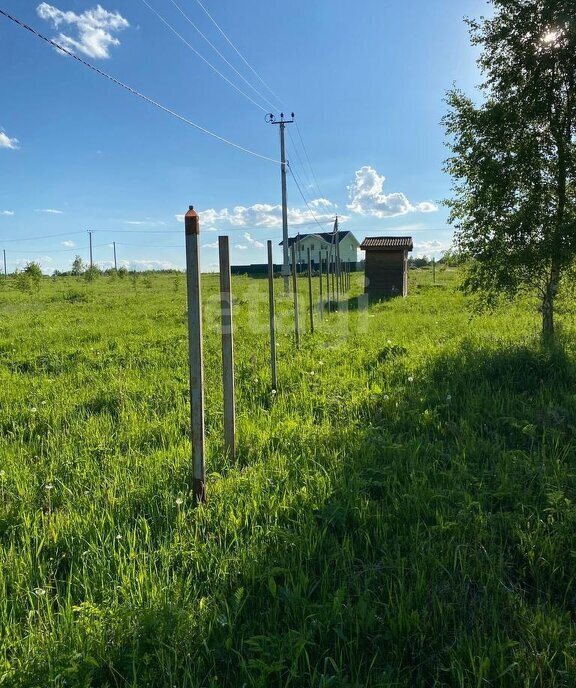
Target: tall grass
[401,512]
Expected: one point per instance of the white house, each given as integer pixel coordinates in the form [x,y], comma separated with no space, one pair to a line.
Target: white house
[321,245]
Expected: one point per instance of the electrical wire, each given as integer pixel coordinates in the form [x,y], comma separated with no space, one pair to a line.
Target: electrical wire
[134,91]
[238,52]
[297,153]
[196,52]
[304,198]
[258,93]
[38,238]
[307,157]
[50,250]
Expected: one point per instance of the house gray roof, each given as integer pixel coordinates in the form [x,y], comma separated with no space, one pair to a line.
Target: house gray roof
[385,243]
[324,236]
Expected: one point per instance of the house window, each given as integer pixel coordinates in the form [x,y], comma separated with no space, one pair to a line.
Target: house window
[311,247]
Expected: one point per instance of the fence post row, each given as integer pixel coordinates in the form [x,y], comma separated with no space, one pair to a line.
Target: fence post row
[227,347]
[195,354]
[272,318]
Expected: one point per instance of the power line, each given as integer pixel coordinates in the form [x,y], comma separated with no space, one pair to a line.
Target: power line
[308,158]
[193,49]
[38,238]
[221,55]
[49,250]
[295,149]
[303,197]
[134,91]
[238,52]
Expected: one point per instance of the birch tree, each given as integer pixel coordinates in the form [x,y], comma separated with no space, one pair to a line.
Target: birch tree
[513,158]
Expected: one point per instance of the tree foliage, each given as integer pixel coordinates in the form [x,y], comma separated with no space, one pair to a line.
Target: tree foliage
[78,266]
[514,155]
[28,280]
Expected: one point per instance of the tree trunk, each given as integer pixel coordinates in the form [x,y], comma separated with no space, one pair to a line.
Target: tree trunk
[548,302]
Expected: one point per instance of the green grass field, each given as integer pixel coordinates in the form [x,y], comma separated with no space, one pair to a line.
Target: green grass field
[402,512]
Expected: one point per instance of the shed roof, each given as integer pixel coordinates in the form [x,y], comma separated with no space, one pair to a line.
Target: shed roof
[387,243]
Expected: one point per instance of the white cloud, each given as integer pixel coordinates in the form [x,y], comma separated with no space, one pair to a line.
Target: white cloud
[430,248]
[367,198]
[267,215]
[94,29]
[152,265]
[7,142]
[213,245]
[68,244]
[321,203]
[241,247]
[50,211]
[152,223]
[253,242]
[6,212]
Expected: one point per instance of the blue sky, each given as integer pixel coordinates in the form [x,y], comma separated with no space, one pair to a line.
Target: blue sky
[365,80]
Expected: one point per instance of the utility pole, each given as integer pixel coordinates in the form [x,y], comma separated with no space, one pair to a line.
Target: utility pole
[285,263]
[5,270]
[115,263]
[90,236]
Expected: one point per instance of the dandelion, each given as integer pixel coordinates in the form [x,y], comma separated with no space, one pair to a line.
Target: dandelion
[273,392]
[118,537]
[49,487]
[449,397]
[389,341]
[410,379]
[39,592]
[179,501]
[33,409]
[43,403]
[385,397]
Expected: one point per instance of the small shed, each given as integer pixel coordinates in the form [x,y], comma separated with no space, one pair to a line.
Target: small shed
[386,271]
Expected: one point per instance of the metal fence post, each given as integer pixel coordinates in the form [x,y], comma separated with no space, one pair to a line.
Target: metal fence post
[295,289]
[310,303]
[195,353]
[227,348]
[321,278]
[272,318]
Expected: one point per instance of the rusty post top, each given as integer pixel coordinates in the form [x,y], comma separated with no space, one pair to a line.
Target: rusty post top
[191,221]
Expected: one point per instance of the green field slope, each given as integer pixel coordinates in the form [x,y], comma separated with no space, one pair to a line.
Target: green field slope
[401,513]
